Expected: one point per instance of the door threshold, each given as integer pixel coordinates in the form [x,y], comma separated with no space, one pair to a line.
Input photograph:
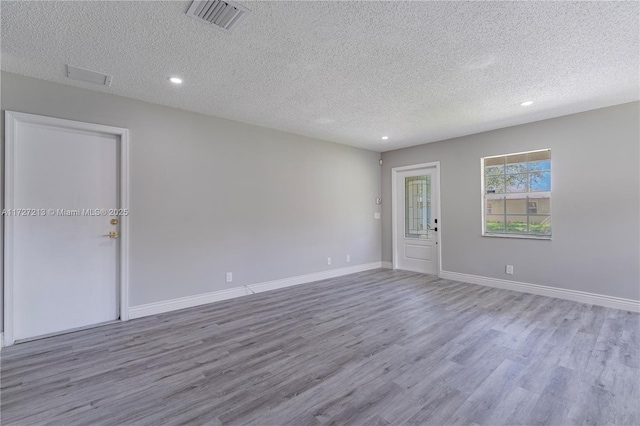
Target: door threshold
[73,330]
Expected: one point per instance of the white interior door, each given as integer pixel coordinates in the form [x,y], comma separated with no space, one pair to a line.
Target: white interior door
[416,242]
[64,270]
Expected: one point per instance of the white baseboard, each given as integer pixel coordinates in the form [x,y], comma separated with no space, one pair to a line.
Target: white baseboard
[216,296]
[1,341]
[303,279]
[543,290]
[184,302]
[387,265]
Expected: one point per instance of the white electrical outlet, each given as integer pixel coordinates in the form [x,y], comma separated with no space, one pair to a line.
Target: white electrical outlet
[509,270]
[328,261]
[229,277]
[376,215]
[348,258]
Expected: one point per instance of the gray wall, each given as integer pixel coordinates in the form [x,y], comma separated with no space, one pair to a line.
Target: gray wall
[210,195]
[595,202]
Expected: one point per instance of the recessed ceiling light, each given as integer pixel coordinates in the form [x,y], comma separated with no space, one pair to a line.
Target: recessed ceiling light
[527,103]
[384,138]
[175,80]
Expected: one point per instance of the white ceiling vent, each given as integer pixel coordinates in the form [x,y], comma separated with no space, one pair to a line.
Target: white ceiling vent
[225,15]
[88,76]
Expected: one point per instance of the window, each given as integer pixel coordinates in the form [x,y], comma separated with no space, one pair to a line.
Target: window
[517,194]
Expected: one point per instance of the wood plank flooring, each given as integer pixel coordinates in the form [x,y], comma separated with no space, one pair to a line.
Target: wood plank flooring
[374,348]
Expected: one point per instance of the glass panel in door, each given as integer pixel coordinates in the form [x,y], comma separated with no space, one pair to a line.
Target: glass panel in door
[417,210]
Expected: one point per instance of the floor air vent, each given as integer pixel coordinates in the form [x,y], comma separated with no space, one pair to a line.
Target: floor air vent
[225,15]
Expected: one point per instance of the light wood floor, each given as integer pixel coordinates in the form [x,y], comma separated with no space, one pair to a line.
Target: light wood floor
[377,348]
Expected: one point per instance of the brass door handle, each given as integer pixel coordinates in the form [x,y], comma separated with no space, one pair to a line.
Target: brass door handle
[112,234]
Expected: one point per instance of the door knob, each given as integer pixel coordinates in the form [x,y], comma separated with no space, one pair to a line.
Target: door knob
[112,234]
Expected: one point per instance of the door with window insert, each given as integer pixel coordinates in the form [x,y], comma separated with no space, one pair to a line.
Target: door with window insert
[416,222]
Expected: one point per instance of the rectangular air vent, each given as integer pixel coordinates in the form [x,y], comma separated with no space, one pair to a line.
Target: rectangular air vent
[225,15]
[88,76]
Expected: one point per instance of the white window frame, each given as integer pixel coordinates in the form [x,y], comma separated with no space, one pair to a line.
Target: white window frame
[483,201]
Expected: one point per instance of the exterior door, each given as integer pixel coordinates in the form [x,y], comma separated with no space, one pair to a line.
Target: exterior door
[64,262]
[416,221]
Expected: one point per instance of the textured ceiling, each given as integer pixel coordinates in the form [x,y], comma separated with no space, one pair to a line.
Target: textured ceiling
[348,72]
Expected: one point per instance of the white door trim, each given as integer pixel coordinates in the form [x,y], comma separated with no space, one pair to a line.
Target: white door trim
[11,120]
[394,213]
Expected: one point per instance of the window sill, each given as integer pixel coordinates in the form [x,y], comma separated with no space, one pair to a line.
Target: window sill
[520,237]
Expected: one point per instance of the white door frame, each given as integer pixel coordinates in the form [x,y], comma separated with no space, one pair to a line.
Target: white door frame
[12,118]
[394,208]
